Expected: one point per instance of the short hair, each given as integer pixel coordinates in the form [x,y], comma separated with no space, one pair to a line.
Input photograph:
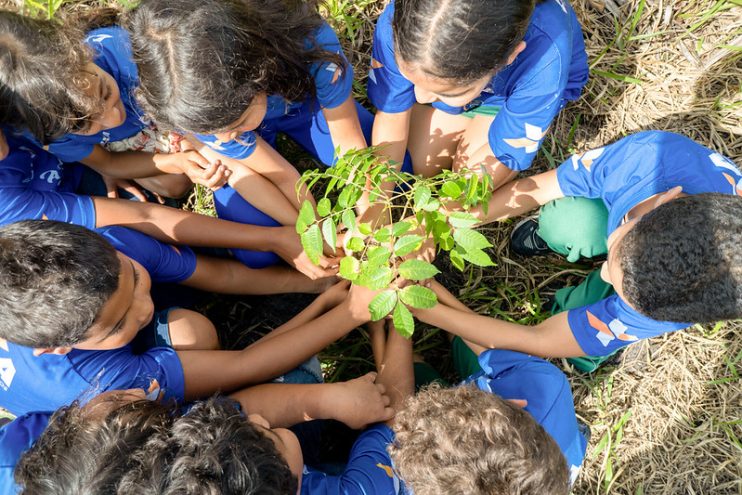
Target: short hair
[147,447]
[465,441]
[682,261]
[54,280]
[459,40]
[42,63]
[202,62]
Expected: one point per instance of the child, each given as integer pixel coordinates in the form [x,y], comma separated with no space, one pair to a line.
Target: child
[234,74]
[472,84]
[74,92]
[77,315]
[464,440]
[34,185]
[125,417]
[668,213]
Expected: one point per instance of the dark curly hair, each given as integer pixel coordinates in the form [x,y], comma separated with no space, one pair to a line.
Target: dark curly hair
[459,40]
[464,441]
[682,261]
[202,62]
[42,73]
[54,280]
[147,447]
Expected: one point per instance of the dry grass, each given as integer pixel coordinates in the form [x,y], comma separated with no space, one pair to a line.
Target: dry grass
[667,419]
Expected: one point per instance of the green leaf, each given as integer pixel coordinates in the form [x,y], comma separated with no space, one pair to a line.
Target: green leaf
[344,198]
[330,232]
[462,220]
[451,190]
[407,244]
[446,243]
[311,241]
[306,217]
[356,244]
[324,207]
[470,239]
[400,228]
[376,277]
[384,234]
[422,196]
[365,228]
[418,297]
[477,257]
[349,220]
[378,255]
[471,189]
[417,270]
[349,268]
[382,304]
[432,205]
[404,323]
[456,259]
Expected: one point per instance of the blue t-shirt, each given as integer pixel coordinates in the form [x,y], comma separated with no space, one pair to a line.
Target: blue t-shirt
[113,54]
[47,382]
[624,174]
[334,86]
[17,437]
[510,375]
[33,186]
[529,92]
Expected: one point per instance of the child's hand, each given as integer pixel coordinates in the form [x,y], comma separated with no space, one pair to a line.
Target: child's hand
[336,294]
[113,185]
[359,402]
[358,300]
[287,245]
[209,174]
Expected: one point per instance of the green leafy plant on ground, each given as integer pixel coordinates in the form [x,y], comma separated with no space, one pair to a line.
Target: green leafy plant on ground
[386,258]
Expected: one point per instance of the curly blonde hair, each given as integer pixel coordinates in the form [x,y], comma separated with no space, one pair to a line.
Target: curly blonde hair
[463,440]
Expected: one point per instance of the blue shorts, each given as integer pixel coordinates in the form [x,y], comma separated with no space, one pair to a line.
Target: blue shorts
[155,334]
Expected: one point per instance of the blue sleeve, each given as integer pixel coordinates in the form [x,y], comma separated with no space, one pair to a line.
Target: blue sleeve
[388,90]
[239,148]
[369,469]
[22,203]
[548,396]
[164,262]
[70,149]
[156,371]
[15,438]
[521,124]
[610,324]
[334,84]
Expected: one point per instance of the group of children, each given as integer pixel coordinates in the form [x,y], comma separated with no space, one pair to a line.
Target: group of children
[114,395]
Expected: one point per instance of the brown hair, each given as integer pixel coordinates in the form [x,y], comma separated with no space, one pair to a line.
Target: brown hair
[465,441]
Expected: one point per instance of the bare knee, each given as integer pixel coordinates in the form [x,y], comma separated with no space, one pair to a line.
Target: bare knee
[191,331]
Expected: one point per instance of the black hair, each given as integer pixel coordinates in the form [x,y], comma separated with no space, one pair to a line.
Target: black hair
[202,62]
[147,447]
[459,40]
[54,280]
[682,261]
[42,73]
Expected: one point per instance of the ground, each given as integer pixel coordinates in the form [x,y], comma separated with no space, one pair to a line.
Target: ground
[665,419]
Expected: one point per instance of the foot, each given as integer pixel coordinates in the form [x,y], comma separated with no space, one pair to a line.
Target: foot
[524,239]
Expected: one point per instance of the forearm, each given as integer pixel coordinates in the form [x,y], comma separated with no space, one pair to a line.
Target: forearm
[552,338]
[128,164]
[263,195]
[396,373]
[284,404]
[207,372]
[318,307]
[227,276]
[182,227]
[390,134]
[519,197]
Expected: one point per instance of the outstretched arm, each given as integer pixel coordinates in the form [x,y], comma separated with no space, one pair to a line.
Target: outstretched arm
[357,403]
[207,372]
[395,372]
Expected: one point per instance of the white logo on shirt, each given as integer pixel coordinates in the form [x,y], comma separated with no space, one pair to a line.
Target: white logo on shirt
[586,159]
[7,372]
[534,134]
[561,4]
[98,38]
[50,176]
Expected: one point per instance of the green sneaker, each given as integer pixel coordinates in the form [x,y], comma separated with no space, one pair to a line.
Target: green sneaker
[588,364]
